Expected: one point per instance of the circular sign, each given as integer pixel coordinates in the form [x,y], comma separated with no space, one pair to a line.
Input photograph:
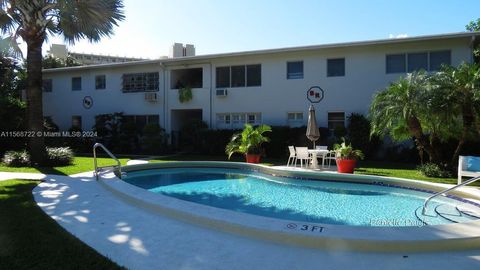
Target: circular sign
[315,94]
[87,102]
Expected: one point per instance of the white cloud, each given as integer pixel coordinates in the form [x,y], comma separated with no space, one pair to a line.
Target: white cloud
[398,35]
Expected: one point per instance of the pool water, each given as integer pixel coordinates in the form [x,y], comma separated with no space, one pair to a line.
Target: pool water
[329,202]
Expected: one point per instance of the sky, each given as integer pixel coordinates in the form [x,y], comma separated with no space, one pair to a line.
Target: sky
[220,26]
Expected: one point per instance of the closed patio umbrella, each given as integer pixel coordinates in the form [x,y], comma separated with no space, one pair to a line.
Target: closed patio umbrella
[313,134]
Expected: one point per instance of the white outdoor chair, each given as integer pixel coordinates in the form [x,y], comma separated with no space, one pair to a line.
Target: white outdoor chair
[329,157]
[292,158]
[302,154]
[463,170]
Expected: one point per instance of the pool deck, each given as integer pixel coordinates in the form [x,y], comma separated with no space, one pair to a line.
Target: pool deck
[139,239]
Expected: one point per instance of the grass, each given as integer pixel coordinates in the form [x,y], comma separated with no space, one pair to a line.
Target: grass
[29,239]
[401,170]
[80,164]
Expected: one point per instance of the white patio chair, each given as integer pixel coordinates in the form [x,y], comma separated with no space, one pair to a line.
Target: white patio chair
[329,157]
[303,155]
[292,158]
[463,168]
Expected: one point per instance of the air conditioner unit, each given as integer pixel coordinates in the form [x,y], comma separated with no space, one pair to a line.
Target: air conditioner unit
[221,92]
[151,97]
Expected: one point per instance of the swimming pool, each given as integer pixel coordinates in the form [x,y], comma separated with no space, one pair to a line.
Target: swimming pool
[340,203]
[303,208]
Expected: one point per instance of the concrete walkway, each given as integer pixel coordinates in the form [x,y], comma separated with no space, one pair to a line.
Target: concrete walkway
[138,239]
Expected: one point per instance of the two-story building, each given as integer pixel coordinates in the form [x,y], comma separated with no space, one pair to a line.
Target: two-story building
[265,86]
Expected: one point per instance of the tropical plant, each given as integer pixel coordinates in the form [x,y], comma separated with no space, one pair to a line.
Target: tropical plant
[459,89]
[346,151]
[474,26]
[400,109]
[53,62]
[33,21]
[185,94]
[249,141]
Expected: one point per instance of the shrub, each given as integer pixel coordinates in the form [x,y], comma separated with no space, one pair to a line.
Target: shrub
[16,158]
[433,170]
[358,130]
[59,156]
[153,139]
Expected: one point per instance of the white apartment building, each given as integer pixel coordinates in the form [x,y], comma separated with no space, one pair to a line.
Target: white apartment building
[265,86]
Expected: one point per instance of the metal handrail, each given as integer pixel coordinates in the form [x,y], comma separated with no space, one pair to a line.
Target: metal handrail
[446,191]
[119,165]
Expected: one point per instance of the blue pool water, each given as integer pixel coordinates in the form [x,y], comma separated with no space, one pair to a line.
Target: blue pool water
[287,198]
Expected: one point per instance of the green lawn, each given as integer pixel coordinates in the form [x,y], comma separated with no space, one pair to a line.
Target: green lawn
[29,239]
[401,170]
[80,164]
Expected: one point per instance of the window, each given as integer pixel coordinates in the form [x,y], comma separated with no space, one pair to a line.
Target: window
[417,61]
[237,120]
[335,67]
[238,76]
[223,77]
[192,77]
[77,121]
[140,82]
[153,119]
[47,85]
[428,61]
[76,83]
[396,63]
[336,119]
[100,82]
[295,70]
[140,121]
[438,58]
[295,119]
[254,75]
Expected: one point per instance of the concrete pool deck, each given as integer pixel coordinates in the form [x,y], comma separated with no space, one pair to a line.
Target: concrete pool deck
[138,239]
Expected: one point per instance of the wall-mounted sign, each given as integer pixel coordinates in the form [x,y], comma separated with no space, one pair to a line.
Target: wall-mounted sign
[315,94]
[87,102]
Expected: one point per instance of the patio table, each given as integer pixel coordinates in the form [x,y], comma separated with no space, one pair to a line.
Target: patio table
[315,153]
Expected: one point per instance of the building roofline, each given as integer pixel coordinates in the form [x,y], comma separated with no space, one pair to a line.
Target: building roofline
[168,61]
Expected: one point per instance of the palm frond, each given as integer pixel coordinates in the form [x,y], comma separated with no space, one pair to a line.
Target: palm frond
[89,19]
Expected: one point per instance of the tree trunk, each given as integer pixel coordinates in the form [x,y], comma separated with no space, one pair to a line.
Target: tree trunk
[36,142]
[468,119]
[415,128]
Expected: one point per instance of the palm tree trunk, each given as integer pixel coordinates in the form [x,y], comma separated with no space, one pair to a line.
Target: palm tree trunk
[415,128]
[468,119]
[36,142]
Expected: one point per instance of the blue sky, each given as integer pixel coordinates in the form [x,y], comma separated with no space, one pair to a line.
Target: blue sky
[217,26]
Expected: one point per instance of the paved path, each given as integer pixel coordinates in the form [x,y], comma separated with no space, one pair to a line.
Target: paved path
[139,239]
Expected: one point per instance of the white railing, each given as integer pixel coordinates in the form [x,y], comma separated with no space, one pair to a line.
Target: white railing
[424,209]
[119,165]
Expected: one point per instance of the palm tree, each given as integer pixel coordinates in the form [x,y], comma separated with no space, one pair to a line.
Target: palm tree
[399,111]
[461,87]
[249,141]
[33,21]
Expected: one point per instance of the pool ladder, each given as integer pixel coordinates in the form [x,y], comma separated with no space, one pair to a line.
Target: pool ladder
[97,169]
[424,209]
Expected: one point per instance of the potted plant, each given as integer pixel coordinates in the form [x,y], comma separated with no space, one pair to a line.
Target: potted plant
[248,142]
[185,94]
[346,157]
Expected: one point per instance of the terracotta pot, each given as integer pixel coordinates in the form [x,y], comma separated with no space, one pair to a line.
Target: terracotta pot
[346,165]
[253,158]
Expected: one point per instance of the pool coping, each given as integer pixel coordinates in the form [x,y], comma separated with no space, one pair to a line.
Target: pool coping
[459,236]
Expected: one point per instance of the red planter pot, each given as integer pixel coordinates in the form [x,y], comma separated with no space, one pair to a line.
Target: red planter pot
[253,158]
[346,165]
